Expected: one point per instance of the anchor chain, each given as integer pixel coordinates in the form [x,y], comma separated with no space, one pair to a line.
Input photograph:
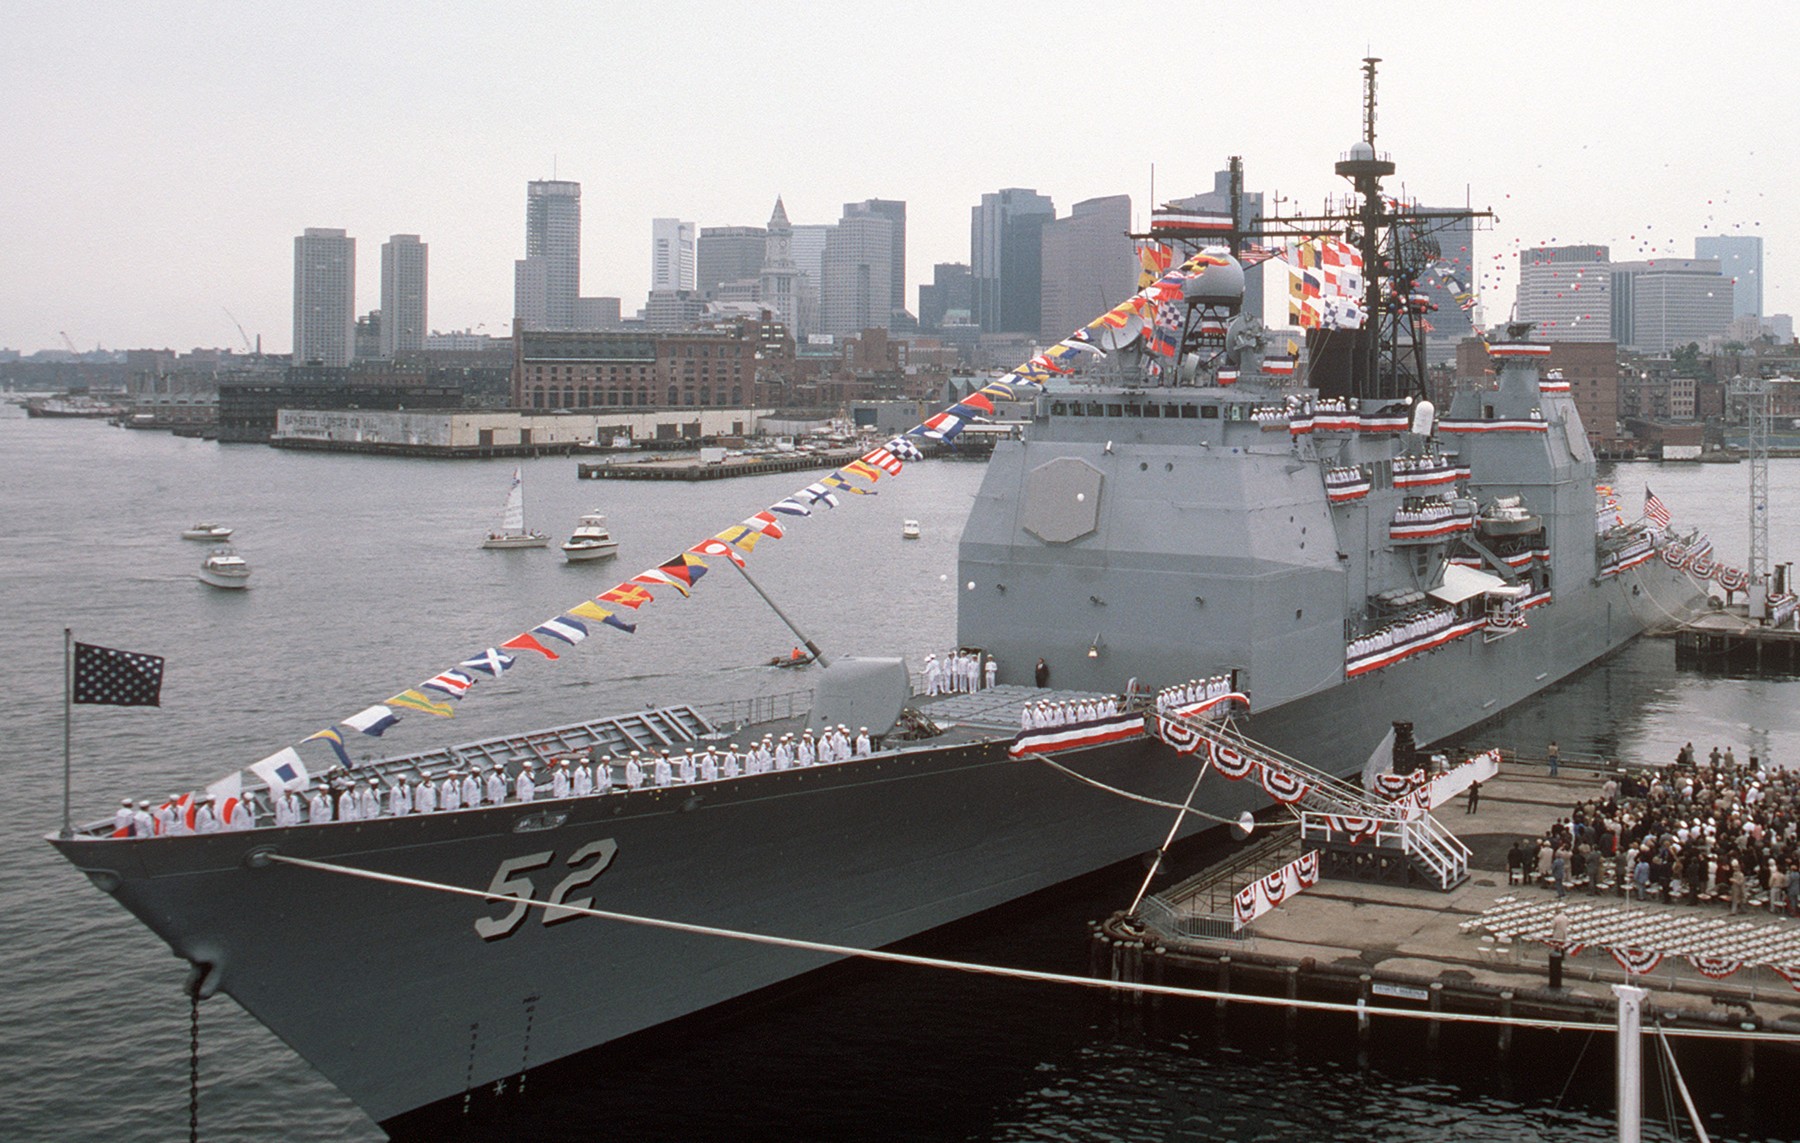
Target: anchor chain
[193,1065]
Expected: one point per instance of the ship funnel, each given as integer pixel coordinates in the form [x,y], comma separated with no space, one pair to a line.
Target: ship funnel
[1424,418]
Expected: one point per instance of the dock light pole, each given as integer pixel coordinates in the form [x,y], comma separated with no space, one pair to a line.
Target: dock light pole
[1630,1064]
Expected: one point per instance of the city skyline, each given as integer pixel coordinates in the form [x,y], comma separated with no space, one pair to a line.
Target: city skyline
[154,180]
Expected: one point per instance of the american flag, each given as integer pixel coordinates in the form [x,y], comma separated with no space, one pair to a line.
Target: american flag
[1655,510]
[111,677]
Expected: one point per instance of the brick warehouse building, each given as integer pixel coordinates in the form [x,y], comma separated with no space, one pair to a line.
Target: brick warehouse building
[606,369]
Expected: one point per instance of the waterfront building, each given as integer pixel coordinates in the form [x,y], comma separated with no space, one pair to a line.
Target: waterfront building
[1567,292]
[855,293]
[1088,264]
[1663,303]
[1740,258]
[631,369]
[403,294]
[1006,259]
[596,313]
[671,255]
[547,281]
[324,297]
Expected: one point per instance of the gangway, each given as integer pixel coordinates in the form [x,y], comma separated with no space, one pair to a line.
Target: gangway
[1359,835]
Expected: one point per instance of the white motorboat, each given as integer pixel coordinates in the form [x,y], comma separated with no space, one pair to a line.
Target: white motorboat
[224,568]
[909,529]
[213,532]
[590,540]
[512,533]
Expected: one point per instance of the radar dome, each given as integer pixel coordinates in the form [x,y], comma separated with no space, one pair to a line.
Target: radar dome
[1361,151]
[1217,285]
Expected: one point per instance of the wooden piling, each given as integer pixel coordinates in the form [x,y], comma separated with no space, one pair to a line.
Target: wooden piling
[1224,983]
[1506,1030]
[1747,1066]
[1291,1014]
[1363,984]
[1434,1028]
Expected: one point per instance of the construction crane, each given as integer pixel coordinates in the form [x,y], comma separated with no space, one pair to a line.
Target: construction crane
[248,348]
[68,342]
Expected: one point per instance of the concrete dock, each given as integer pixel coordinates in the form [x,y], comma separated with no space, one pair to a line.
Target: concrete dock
[1729,641]
[1414,947]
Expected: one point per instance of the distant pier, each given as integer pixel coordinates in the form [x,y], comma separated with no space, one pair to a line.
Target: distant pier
[687,468]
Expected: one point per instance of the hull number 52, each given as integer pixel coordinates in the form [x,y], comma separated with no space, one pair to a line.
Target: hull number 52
[512,882]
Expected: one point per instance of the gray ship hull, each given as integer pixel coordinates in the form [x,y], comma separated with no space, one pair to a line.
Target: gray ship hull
[862,853]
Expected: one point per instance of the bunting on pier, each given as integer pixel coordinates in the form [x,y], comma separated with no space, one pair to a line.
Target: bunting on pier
[1266,893]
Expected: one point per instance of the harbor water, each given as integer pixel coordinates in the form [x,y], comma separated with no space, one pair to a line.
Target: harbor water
[368,577]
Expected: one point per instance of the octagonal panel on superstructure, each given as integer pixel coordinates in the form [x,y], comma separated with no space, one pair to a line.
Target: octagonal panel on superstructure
[1062,500]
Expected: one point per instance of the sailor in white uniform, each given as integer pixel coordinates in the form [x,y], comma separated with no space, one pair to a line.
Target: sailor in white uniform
[425,795]
[525,787]
[863,747]
[496,784]
[369,804]
[284,811]
[349,804]
[581,782]
[765,756]
[730,766]
[559,778]
[709,767]
[124,819]
[662,773]
[806,754]
[471,789]
[634,772]
[932,675]
[168,819]
[318,808]
[684,768]
[784,753]
[399,799]
[991,671]
[603,775]
[450,792]
[142,824]
[206,819]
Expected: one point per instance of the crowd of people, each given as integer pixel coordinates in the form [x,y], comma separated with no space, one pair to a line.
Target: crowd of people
[1426,510]
[959,672]
[1194,691]
[1046,714]
[1701,830]
[342,795]
[1401,632]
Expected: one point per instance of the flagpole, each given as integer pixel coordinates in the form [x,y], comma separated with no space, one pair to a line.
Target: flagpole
[68,829]
[811,647]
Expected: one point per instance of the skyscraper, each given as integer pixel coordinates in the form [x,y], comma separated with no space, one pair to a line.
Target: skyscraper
[324,297]
[894,211]
[548,280]
[1567,291]
[1666,303]
[858,276]
[1450,322]
[1089,264]
[671,255]
[1006,259]
[728,254]
[1250,211]
[782,287]
[403,301]
[1740,258]
[949,293]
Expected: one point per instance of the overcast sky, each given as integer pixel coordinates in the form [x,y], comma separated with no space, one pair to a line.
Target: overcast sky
[160,158]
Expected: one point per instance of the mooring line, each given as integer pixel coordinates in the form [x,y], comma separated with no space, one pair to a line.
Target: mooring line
[1026,974]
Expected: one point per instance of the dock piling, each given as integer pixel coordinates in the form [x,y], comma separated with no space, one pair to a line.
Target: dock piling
[1224,983]
[1506,1030]
[1434,1028]
[1291,1014]
[1747,1068]
[1363,983]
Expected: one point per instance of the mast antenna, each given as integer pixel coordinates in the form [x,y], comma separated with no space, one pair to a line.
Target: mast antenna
[1369,63]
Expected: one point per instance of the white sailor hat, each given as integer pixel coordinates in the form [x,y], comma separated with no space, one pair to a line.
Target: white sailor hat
[143,805]
[734,746]
[125,802]
[529,765]
[863,729]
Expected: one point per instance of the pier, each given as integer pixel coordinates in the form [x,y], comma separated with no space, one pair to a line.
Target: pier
[1727,640]
[690,468]
[1479,948]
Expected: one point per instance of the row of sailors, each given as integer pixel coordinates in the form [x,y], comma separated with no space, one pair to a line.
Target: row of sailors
[1425,511]
[959,672]
[1421,463]
[1046,714]
[1195,691]
[348,799]
[1402,632]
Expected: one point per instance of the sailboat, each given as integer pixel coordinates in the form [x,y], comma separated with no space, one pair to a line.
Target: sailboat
[512,533]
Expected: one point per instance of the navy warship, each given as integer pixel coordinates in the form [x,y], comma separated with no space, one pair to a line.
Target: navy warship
[1179,502]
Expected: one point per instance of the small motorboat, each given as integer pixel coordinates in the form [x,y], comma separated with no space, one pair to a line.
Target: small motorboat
[909,529]
[590,540]
[213,532]
[794,658]
[224,568]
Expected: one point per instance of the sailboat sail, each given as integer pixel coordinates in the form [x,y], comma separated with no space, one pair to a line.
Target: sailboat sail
[512,522]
